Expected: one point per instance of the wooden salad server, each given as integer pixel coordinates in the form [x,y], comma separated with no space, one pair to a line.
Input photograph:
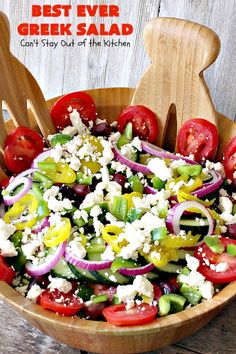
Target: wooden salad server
[179,51]
[19,91]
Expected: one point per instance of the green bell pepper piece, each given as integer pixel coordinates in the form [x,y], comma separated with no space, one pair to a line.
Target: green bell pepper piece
[81,179]
[60,139]
[122,263]
[136,184]
[134,214]
[99,298]
[170,303]
[159,233]
[231,249]
[191,294]
[189,170]
[119,207]
[158,183]
[44,180]
[213,242]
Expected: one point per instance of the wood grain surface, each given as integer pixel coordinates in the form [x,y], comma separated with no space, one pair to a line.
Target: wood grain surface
[62,70]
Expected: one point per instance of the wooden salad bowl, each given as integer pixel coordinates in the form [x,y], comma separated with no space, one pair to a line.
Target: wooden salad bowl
[98,336]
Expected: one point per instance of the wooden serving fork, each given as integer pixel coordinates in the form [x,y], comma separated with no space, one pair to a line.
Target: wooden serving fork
[19,90]
[180,51]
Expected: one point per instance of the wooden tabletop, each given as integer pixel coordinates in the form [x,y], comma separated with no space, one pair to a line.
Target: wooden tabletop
[18,336]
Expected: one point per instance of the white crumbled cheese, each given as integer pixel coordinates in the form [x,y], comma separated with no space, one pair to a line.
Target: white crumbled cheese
[176,163]
[92,198]
[56,153]
[194,279]
[114,137]
[81,214]
[214,166]
[223,229]
[7,248]
[95,211]
[30,248]
[69,131]
[136,142]
[59,283]
[127,151]
[221,267]
[53,203]
[192,262]
[159,168]
[77,122]
[108,254]
[144,287]
[6,229]
[175,187]
[75,163]
[55,219]
[225,205]
[105,175]
[126,292]
[141,286]
[117,166]
[98,226]
[110,218]
[223,193]
[228,218]
[34,292]
[76,248]
[207,290]
[107,153]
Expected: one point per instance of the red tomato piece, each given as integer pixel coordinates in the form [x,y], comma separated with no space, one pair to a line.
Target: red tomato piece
[199,137]
[229,159]
[21,147]
[5,182]
[80,101]
[6,273]
[66,304]
[137,315]
[203,253]
[143,120]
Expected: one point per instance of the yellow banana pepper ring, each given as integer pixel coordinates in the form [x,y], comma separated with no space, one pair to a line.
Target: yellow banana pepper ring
[63,174]
[196,184]
[183,197]
[27,205]
[168,186]
[178,241]
[93,166]
[129,197]
[57,234]
[110,234]
[160,256]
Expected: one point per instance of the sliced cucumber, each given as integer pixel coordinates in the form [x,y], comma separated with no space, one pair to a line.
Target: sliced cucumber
[196,225]
[152,276]
[63,270]
[106,276]
[82,274]
[171,268]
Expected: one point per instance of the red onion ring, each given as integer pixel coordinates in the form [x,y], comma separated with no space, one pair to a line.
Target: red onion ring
[151,190]
[209,187]
[44,223]
[131,164]
[41,157]
[27,183]
[85,264]
[50,262]
[157,151]
[27,173]
[137,271]
[174,215]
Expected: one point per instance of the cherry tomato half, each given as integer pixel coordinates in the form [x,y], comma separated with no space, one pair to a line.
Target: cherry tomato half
[204,252]
[137,315]
[199,137]
[6,273]
[81,101]
[229,159]
[21,147]
[66,304]
[143,120]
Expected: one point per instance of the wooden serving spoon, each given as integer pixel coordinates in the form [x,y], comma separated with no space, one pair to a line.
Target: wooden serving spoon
[180,51]
[18,88]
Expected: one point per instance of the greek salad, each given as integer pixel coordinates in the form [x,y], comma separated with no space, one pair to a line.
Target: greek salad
[105,225]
